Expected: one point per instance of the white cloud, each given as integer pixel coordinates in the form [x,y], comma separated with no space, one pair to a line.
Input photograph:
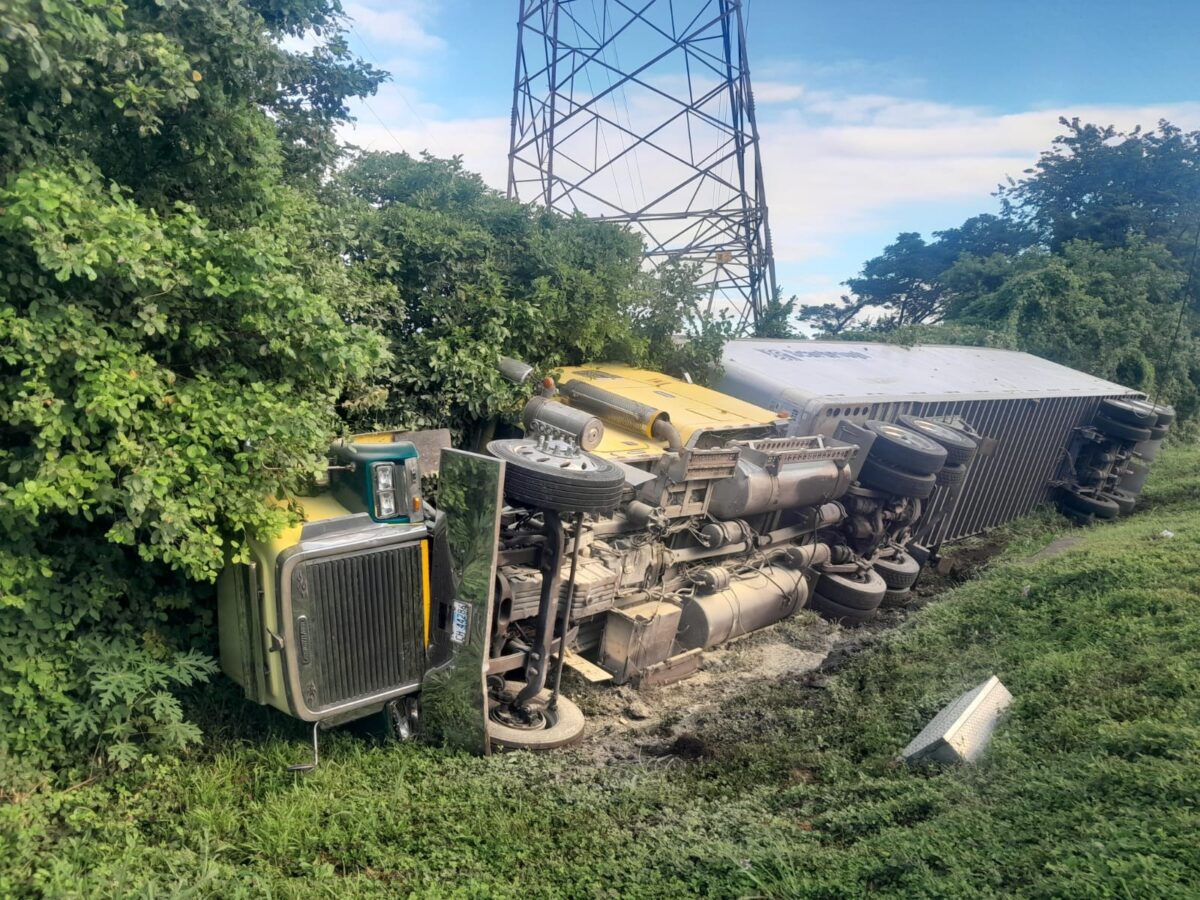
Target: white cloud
[840,165]
[482,143]
[393,24]
[776,92]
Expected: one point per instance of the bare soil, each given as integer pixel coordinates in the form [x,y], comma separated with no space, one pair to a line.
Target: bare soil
[656,725]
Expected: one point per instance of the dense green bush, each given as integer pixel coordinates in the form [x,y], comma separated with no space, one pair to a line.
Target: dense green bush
[171,340]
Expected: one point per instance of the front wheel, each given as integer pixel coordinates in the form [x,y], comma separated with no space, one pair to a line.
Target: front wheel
[537,727]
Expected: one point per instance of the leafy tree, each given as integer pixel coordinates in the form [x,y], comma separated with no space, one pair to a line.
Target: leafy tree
[173,336]
[1107,311]
[1099,184]
[1106,186]
[905,285]
[476,276]
[1104,311]
[776,320]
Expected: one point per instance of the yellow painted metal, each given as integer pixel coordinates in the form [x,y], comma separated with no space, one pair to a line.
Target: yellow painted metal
[426,592]
[374,437]
[316,508]
[691,407]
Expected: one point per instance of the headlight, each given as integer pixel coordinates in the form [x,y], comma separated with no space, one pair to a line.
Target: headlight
[385,504]
[385,476]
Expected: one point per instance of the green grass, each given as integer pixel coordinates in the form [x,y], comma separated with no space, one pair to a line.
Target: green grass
[1091,787]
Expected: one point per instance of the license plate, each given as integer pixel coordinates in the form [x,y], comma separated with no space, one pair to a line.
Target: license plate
[460,625]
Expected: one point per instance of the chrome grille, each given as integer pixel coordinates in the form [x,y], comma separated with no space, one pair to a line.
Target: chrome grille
[359,624]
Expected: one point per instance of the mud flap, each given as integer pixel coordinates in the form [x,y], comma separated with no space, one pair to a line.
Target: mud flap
[454,695]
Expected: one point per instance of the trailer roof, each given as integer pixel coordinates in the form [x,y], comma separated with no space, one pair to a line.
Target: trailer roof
[770,371]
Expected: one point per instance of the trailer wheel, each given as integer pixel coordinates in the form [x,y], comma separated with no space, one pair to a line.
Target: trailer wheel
[1158,432]
[837,612]
[1121,430]
[548,729]
[898,572]
[951,476]
[960,448]
[895,599]
[550,477]
[889,479]
[1125,501]
[905,448]
[1129,412]
[862,591]
[1164,415]
[1098,505]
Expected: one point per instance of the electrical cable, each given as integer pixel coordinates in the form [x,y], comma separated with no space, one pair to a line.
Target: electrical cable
[600,130]
[411,108]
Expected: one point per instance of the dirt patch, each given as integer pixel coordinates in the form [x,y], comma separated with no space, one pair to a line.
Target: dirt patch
[660,724]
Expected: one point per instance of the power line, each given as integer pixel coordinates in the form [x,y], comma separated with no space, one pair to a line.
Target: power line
[424,127]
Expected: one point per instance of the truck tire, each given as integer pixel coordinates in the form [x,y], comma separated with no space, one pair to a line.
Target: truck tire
[951,476]
[1098,505]
[894,599]
[837,612]
[882,477]
[1125,501]
[960,448]
[898,572]
[562,726]
[905,448]
[1158,432]
[1147,450]
[862,591]
[579,483]
[1120,430]
[1129,412]
[1163,415]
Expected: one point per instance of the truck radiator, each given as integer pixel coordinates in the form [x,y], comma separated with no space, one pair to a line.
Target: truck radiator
[359,622]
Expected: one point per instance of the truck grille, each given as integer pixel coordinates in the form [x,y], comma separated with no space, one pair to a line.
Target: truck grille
[359,624]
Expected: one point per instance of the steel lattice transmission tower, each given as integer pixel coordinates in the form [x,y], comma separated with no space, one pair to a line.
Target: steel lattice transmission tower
[641,112]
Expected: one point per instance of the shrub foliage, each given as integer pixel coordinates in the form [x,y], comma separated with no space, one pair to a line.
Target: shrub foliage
[171,343]
[476,275]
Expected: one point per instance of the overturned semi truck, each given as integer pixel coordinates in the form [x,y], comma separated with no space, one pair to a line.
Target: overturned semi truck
[637,520]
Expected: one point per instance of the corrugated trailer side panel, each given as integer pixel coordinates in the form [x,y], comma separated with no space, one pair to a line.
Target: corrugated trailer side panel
[1030,437]
[1031,433]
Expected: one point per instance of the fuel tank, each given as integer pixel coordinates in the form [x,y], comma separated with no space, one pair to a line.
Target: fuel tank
[740,604]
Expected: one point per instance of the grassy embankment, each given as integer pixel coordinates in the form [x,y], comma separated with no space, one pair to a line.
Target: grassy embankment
[1091,788]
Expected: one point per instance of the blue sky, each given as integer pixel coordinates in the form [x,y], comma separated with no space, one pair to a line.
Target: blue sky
[876,117]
